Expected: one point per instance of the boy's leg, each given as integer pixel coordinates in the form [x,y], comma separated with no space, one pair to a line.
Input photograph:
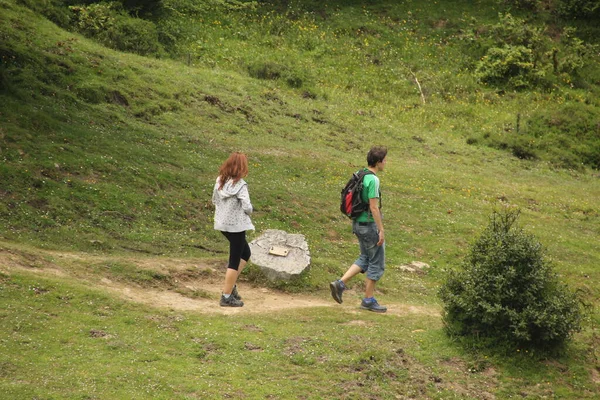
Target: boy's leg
[374,273]
[337,287]
[369,287]
[352,272]
[369,302]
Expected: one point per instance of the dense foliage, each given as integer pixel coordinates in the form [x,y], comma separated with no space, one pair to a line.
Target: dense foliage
[508,292]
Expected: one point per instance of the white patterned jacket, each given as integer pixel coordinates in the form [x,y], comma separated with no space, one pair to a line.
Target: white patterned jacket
[232,206]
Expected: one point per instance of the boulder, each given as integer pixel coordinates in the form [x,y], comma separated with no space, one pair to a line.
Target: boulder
[280,255]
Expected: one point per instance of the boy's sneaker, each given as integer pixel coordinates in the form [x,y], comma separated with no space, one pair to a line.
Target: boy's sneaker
[337,289]
[235,293]
[372,305]
[230,302]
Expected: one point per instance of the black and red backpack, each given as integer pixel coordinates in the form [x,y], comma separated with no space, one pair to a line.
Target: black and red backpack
[351,202]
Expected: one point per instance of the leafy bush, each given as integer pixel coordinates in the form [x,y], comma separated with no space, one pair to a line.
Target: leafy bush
[575,59]
[512,66]
[522,4]
[568,9]
[513,54]
[517,55]
[135,35]
[142,7]
[507,292]
[512,31]
[112,26]
[577,8]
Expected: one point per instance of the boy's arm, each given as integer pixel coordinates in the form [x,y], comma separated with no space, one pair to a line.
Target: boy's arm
[374,207]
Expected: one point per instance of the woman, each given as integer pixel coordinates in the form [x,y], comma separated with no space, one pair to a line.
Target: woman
[232,218]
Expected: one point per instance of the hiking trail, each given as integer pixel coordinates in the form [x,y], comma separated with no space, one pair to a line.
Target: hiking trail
[202,284]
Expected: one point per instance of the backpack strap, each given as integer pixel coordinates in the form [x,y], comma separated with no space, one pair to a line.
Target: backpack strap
[361,175]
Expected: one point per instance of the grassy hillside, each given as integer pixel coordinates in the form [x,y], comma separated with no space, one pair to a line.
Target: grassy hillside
[112,154]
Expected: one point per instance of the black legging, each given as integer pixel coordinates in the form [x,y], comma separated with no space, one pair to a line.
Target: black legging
[238,248]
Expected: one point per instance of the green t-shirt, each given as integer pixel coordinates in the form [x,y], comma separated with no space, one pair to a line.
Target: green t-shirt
[370,191]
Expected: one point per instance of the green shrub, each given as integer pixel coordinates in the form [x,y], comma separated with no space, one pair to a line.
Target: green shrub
[54,10]
[512,66]
[577,8]
[577,55]
[510,53]
[92,20]
[514,31]
[531,5]
[142,7]
[507,292]
[111,25]
[515,54]
[135,35]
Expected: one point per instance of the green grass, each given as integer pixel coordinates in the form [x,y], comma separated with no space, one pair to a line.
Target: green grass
[112,156]
[67,341]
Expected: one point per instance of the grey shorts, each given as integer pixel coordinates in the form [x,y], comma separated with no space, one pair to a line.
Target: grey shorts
[372,257]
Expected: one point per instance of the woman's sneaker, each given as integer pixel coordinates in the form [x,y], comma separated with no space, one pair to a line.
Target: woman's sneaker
[372,305]
[235,293]
[230,302]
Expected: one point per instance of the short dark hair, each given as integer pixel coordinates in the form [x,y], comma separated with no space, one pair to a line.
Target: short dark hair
[375,155]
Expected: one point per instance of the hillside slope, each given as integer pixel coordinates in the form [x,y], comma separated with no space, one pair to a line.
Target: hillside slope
[109,264]
[110,151]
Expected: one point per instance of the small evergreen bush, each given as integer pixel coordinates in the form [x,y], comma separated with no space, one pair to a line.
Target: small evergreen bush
[507,292]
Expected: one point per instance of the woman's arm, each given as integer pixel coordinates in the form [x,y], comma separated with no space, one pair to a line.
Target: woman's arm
[244,198]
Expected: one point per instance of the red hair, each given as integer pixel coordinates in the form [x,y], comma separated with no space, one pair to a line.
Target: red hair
[234,168]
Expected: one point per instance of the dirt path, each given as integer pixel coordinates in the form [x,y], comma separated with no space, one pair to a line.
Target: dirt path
[256,300]
[208,285]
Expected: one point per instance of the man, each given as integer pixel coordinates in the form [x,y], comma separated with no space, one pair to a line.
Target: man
[368,228]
